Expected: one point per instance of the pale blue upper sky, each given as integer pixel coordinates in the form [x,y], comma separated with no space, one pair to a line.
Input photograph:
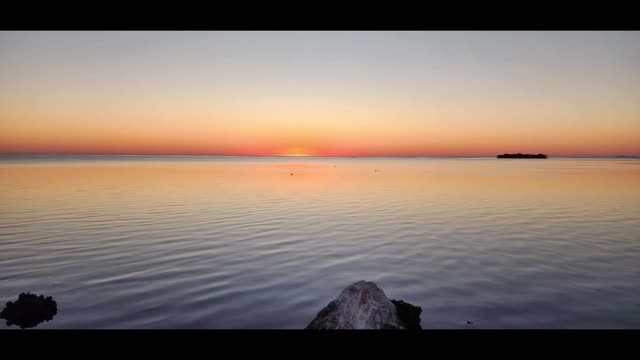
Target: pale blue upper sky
[365,61]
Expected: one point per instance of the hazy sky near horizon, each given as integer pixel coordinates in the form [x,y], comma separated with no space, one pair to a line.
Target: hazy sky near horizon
[321,93]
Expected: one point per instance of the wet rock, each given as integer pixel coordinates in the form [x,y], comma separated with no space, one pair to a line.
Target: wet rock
[363,305]
[29,310]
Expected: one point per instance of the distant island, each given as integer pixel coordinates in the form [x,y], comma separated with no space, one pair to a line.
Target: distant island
[522,156]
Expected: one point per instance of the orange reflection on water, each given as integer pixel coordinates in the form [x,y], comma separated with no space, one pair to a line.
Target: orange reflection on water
[338,180]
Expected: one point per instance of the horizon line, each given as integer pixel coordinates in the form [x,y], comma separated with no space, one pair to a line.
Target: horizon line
[312,156]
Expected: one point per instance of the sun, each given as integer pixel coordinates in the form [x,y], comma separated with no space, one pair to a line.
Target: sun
[297,151]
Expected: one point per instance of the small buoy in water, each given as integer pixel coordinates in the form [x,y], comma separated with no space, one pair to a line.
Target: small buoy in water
[470,322]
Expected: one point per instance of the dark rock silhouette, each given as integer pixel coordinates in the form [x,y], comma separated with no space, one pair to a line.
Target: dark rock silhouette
[29,310]
[409,314]
[522,156]
[363,305]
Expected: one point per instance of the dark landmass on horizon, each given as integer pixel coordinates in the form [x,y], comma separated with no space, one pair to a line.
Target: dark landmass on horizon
[522,156]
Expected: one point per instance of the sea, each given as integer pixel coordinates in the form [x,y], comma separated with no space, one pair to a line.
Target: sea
[206,242]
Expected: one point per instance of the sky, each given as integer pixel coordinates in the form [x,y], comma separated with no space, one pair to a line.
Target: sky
[320,93]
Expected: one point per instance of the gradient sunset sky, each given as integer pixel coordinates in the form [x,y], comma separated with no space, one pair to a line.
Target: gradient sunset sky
[320,93]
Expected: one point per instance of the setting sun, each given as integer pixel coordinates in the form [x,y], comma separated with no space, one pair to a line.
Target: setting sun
[297,151]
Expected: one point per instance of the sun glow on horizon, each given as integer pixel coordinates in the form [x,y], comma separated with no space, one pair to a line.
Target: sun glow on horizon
[297,152]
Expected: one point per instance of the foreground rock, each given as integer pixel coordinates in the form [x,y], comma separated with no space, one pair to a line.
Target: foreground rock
[363,305]
[29,310]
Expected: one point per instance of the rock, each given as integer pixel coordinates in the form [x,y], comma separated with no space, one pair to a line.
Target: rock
[409,314]
[29,310]
[363,305]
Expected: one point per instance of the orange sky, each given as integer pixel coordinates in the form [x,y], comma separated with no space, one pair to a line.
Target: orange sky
[361,129]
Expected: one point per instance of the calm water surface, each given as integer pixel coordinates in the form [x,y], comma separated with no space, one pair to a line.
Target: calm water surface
[232,242]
